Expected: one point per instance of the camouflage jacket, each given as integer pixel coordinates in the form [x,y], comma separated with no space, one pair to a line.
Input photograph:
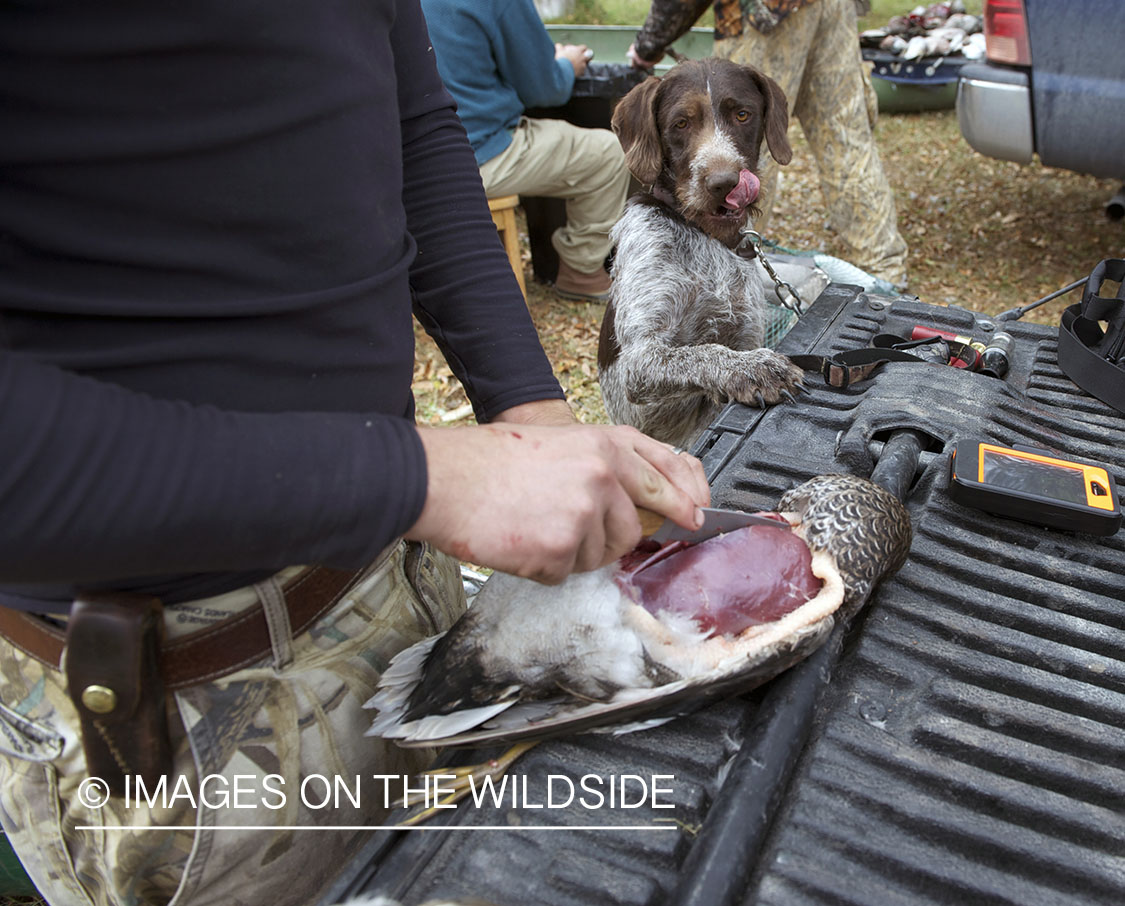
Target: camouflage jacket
[669,19]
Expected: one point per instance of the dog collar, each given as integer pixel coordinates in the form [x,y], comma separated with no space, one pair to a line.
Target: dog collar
[656,194]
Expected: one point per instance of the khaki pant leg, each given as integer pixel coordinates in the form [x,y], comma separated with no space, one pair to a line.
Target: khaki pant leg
[833,111]
[263,730]
[586,167]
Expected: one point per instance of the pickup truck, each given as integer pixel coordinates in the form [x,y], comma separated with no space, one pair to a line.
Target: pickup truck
[1052,85]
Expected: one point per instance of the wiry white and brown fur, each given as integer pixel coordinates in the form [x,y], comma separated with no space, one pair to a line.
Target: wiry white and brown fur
[685,322]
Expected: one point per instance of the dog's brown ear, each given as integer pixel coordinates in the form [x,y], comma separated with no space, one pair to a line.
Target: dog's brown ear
[634,122]
[777,118]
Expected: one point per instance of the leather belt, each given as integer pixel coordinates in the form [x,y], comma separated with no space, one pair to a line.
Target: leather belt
[231,644]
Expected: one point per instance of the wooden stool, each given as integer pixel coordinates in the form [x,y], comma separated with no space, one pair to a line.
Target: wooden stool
[504,216]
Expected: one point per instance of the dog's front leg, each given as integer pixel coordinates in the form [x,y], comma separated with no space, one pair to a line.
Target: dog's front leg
[655,372]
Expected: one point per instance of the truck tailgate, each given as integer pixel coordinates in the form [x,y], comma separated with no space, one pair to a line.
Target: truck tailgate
[962,742]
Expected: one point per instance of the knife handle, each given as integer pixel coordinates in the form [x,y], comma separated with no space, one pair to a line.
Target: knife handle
[650,521]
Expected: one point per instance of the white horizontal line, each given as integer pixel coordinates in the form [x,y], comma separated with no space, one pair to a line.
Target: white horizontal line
[368,827]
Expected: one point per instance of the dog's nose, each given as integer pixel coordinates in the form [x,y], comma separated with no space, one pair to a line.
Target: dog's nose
[720,182]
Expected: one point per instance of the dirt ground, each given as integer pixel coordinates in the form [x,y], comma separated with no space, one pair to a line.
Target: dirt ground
[984,234]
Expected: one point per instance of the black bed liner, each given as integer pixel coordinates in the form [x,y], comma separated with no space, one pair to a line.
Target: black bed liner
[969,746]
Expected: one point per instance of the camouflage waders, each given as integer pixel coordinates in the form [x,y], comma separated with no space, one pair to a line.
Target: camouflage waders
[814,55]
[252,738]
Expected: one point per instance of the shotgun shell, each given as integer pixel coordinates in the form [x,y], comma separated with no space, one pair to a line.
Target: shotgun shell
[920,332]
[994,359]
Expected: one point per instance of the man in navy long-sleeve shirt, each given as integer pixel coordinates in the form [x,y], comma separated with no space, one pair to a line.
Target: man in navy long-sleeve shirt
[497,60]
[215,222]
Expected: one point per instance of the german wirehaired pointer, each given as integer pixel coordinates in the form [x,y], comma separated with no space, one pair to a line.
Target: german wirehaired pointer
[685,321]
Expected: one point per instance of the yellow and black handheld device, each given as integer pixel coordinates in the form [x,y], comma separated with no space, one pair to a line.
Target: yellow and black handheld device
[1034,486]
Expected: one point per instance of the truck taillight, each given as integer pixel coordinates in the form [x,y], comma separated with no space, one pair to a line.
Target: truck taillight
[1005,32]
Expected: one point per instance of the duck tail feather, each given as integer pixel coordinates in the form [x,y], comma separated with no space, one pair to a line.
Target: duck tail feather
[401,676]
[436,727]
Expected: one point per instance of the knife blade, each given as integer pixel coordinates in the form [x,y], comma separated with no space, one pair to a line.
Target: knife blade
[715,522]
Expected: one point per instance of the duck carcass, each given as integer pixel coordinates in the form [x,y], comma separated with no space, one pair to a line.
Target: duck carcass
[657,634]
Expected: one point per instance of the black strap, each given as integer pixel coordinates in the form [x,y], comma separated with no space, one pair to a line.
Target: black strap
[846,368]
[1092,357]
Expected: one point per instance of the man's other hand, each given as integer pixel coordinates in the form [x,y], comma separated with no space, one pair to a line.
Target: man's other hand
[637,62]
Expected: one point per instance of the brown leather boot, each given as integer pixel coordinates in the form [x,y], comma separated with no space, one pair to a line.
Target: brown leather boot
[572,284]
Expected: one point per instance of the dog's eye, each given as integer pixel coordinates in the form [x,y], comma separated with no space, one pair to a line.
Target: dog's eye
[742,116]
[681,123]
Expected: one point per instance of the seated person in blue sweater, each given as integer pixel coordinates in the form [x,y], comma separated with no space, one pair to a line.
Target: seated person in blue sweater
[497,60]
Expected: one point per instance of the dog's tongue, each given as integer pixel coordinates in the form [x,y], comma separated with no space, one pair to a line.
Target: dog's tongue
[744,193]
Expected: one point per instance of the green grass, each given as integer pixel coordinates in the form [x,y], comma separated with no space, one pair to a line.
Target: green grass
[615,12]
[633,12]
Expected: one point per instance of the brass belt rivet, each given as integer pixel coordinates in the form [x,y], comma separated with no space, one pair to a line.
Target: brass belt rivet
[99,699]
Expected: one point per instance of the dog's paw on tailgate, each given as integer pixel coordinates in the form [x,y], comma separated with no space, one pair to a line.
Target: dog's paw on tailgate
[768,378]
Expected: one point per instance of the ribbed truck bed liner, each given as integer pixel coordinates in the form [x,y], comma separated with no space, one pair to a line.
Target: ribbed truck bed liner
[962,742]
